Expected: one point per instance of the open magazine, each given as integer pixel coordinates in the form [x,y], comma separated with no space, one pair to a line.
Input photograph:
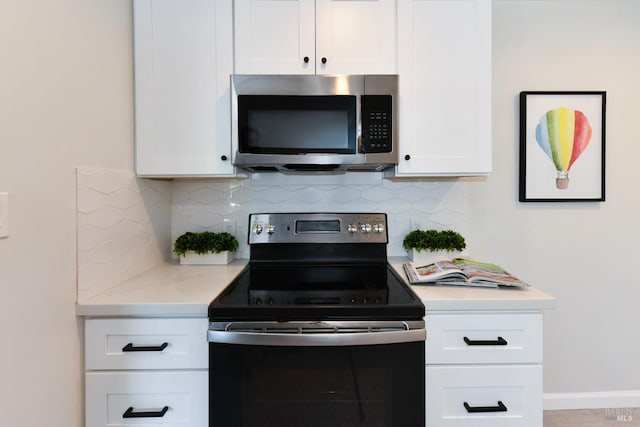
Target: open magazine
[462,272]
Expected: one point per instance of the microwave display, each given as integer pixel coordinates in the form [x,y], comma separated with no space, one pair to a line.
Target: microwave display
[297,124]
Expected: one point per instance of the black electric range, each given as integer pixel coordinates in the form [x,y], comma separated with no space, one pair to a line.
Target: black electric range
[318,330]
[306,266]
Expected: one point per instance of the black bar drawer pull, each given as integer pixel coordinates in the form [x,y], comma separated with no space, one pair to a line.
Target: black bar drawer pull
[474,409]
[499,341]
[145,414]
[130,347]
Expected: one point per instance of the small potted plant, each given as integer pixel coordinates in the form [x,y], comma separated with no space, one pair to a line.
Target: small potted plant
[426,246]
[205,248]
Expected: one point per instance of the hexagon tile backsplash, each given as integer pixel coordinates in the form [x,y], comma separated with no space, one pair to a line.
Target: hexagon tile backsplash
[123,227]
[126,225]
[225,206]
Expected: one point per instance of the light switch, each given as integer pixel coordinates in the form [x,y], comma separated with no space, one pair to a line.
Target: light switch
[4,215]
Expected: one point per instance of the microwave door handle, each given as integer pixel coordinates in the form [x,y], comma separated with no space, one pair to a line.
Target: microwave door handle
[316,339]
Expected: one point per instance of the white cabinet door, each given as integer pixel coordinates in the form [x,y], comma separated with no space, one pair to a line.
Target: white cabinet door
[444,63]
[315,37]
[456,338]
[484,396]
[356,37]
[161,398]
[119,344]
[274,36]
[183,60]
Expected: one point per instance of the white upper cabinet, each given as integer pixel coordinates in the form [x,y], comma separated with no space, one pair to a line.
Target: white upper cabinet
[315,37]
[185,50]
[275,37]
[444,63]
[183,60]
[356,37]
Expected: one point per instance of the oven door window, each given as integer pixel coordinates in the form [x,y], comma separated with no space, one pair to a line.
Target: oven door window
[283,124]
[369,385]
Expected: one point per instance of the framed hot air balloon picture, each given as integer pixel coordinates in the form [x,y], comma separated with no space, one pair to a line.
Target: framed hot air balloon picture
[562,156]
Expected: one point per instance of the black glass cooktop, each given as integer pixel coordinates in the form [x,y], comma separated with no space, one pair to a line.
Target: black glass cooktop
[316,291]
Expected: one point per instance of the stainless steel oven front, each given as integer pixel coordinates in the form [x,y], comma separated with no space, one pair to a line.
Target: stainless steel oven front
[318,330]
[317,374]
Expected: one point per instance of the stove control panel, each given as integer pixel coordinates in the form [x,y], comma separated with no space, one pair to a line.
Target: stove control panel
[318,228]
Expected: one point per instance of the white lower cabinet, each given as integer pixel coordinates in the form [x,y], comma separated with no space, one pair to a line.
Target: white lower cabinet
[166,343]
[484,369]
[484,395]
[167,398]
[484,338]
[146,372]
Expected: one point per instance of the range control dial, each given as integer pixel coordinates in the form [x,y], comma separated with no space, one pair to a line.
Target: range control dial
[365,228]
[378,228]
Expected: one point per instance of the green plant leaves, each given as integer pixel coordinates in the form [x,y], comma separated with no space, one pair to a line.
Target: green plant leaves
[434,240]
[205,242]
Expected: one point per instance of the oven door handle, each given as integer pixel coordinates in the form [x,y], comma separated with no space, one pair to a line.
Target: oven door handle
[316,339]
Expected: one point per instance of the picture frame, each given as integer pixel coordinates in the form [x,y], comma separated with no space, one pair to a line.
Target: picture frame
[562,146]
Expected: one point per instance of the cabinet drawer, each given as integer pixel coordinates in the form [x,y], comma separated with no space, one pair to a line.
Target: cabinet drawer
[484,338]
[146,343]
[139,398]
[503,395]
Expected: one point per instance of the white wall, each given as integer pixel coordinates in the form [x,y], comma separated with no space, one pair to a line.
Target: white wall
[65,100]
[583,253]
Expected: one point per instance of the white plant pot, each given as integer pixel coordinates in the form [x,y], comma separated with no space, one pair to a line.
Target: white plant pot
[428,257]
[221,258]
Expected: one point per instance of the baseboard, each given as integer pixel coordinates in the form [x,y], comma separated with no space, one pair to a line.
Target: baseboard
[592,400]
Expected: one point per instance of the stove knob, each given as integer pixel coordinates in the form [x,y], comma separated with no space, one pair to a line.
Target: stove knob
[365,228]
[257,301]
[271,228]
[257,228]
[378,228]
[352,228]
[270,301]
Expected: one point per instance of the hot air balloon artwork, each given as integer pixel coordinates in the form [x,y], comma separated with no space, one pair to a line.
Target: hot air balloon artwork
[562,137]
[563,134]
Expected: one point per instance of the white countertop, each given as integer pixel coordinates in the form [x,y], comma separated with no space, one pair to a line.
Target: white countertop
[167,290]
[444,298]
[182,290]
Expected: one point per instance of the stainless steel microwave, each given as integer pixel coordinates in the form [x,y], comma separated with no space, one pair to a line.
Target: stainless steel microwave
[314,123]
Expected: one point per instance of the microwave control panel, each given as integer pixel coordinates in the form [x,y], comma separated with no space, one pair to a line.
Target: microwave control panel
[376,112]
